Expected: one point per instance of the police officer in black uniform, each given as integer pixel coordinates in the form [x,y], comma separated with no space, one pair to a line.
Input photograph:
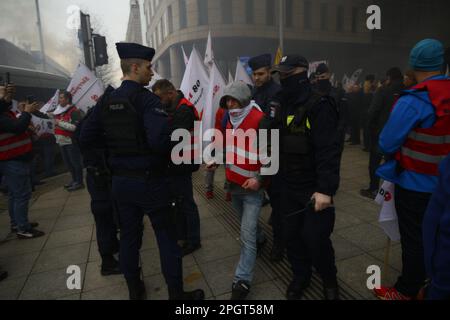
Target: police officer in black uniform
[264,91]
[309,173]
[130,122]
[324,87]
[98,180]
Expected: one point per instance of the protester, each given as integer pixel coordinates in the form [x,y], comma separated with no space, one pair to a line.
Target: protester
[369,91]
[413,141]
[355,103]
[378,115]
[67,117]
[409,79]
[15,163]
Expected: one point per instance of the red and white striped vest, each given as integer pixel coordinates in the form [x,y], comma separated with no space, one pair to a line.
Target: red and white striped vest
[14,145]
[242,153]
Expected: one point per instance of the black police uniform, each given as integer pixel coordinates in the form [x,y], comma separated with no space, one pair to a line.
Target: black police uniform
[263,97]
[134,128]
[309,163]
[98,180]
[180,177]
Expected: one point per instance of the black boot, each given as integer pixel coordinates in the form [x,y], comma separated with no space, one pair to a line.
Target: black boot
[136,289]
[179,295]
[331,293]
[296,289]
[110,266]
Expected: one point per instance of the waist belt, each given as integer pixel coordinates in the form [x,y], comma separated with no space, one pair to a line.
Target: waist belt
[143,174]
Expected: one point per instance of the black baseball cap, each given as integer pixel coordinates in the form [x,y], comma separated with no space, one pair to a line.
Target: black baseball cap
[321,69]
[290,62]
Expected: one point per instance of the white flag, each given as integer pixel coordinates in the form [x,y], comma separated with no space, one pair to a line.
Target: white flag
[230,77]
[355,76]
[388,215]
[52,104]
[85,88]
[42,126]
[195,82]
[215,92]
[209,55]
[241,74]
[185,58]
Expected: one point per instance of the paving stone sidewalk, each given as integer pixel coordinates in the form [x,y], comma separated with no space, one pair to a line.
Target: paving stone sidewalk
[37,268]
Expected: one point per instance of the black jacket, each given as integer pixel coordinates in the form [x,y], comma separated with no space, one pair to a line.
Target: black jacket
[381,106]
[326,150]
[265,94]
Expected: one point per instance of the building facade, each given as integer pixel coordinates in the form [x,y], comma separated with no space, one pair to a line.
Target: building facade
[333,30]
[134,30]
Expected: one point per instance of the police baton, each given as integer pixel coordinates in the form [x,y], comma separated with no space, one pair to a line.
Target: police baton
[310,205]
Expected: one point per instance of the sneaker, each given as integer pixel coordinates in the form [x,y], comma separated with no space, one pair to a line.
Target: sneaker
[3,275]
[210,195]
[188,248]
[110,266]
[33,225]
[240,290]
[75,187]
[177,295]
[368,193]
[30,234]
[386,293]
[67,186]
[228,197]
[331,294]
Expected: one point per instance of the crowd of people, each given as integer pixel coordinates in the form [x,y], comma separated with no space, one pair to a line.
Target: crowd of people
[125,143]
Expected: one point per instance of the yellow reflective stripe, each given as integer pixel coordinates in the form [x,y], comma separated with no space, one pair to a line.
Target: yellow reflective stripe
[290,119]
[308,124]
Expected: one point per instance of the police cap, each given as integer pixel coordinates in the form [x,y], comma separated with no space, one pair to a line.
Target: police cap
[262,61]
[290,62]
[134,51]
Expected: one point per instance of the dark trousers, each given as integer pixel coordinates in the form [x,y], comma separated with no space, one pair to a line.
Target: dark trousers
[48,156]
[135,198]
[308,239]
[103,211]
[375,158]
[411,207]
[181,186]
[276,217]
[72,158]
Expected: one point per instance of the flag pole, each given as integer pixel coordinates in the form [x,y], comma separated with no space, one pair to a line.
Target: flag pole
[281,29]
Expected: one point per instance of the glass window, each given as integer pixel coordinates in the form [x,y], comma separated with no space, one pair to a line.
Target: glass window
[340,18]
[183,14]
[324,17]
[307,15]
[226,7]
[270,12]
[249,14]
[202,12]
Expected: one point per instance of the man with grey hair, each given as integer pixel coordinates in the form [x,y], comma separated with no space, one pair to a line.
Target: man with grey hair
[246,182]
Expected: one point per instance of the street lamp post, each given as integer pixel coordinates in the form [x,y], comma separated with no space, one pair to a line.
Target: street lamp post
[41,38]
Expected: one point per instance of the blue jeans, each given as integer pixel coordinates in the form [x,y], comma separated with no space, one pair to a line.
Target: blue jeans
[72,158]
[16,175]
[248,207]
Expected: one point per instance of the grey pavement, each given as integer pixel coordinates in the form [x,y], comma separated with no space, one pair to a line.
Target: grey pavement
[38,267]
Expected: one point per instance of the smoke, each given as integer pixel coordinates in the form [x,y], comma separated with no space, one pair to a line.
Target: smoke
[19,25]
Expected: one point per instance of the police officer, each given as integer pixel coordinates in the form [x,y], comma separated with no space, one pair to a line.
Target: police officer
[324,87]
[131,123]
[98,180]
[182,115]
[265,87]
[309,174]
[264,91]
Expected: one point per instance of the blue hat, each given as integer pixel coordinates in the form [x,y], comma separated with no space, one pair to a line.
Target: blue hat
[427,55]
[259,62]
[134,51]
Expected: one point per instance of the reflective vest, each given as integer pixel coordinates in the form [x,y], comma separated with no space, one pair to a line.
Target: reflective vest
[14,145]
[424,149]
[243,161]
[65,117]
